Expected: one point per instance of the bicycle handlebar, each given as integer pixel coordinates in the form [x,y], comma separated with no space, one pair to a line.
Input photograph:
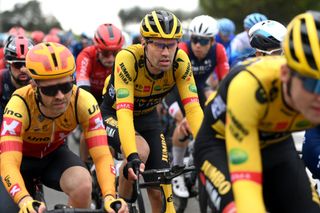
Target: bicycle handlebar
[167,174]
[76,210]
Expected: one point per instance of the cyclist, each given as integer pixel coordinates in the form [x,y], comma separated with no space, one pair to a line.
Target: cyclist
[244,149]
[94,64]
[36,122]
[225,35]
[207,58]
[143,74]
[266,37]
[15,75]
[37,36]
[240,45]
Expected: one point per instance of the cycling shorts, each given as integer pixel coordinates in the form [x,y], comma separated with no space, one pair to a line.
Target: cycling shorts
[149,127]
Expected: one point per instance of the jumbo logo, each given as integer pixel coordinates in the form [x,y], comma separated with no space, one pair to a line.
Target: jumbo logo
[122,93]
[193,88]
[216,177]
[238,156]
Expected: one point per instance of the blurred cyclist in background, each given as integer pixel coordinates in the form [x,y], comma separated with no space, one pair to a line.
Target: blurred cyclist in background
[266,37]
[15,75]
[95,62]
[225,35]
[37,36]
[208,58]
[240,45]
[51,38]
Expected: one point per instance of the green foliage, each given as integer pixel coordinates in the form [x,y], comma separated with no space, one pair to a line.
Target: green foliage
[279,10]
[29,16]
[136,14]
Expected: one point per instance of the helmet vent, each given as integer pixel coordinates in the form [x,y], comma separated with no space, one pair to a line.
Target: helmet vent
[111,34]
[292,52]
[307,46]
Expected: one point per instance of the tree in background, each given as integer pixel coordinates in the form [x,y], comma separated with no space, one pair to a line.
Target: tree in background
[29,16]
[280,10]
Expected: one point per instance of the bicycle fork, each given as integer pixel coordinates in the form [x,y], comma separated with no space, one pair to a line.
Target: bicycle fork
[167,205]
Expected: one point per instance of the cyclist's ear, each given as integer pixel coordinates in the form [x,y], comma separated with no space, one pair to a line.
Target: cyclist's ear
[143,42]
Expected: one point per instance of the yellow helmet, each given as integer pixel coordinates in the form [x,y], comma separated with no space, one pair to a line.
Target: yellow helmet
[161,24]
[49,60]
[302,45]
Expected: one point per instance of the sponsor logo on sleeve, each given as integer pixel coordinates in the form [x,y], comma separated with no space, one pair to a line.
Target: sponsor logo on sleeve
[11,127]
[122,93]
[14,190]
[238,156]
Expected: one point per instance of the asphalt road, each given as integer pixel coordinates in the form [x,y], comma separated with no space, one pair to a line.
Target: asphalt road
[53,197]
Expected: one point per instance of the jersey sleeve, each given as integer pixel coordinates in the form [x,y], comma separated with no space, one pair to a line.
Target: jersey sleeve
[83,68]
[15,121]
[124,75]
[222,67]
[188,92]
[242,141]
[96,140]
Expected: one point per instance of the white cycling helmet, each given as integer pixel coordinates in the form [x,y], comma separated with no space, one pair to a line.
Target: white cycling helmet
[267,35]
[204,25]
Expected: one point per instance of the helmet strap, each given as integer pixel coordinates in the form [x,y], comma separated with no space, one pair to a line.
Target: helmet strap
[38,96]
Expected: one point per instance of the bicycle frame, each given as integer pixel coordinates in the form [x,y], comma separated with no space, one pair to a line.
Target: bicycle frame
[164,183]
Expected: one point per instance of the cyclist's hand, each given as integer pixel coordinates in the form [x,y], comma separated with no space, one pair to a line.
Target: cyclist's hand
[31,206]
[110,203]
[184,129]
[130,169]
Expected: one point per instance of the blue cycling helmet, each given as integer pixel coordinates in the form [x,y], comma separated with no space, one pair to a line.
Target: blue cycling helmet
[252,19]
[226,26]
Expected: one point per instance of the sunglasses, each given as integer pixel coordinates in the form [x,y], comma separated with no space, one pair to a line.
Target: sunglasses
[278,51]
[309,84]
[54,89]
[108,53]
[18,65]
[162,46]
[201,40]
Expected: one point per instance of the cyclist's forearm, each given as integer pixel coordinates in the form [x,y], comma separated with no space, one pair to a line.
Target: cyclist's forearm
[104,164]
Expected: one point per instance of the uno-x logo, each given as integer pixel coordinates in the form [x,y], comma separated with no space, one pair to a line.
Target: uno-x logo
[14,190]
[10,127]
[96,123]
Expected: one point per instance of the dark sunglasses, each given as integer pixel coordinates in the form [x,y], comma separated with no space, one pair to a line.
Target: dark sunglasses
[162,46]
[53,90]
[309,84]
[18,65]
[201,40]
[107,53]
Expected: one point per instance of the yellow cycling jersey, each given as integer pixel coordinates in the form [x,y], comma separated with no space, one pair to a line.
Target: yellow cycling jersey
[249,112]
[27,132]
[132,91]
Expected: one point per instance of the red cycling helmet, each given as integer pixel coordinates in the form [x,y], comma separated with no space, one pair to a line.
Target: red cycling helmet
[51,38]
[37,36]
[108,38]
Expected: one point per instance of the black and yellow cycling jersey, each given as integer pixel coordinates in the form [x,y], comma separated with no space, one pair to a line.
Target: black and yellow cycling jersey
[132,90]
[27,132]
[252,98]
[246,116]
